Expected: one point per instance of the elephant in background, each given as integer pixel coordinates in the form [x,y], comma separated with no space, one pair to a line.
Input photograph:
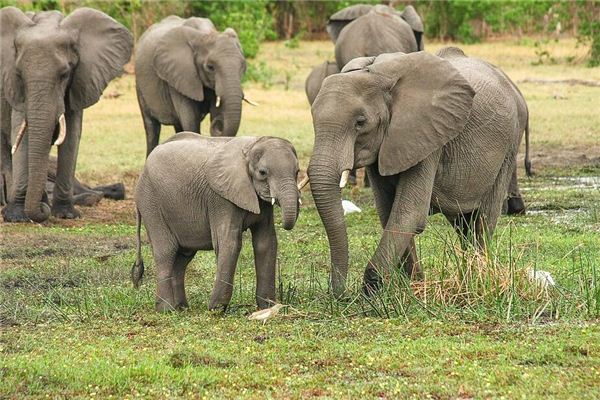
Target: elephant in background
[84,195]
[437,133]
[186,69]
[52,67]
[316,77]
[365,30]
[199,193]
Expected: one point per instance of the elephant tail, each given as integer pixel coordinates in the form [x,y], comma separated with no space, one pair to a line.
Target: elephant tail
[527,159]
[137,270]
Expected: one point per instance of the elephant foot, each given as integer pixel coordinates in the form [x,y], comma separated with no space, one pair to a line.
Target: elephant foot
[116,191]
[65,211]
[163,306]
[14,213]
[88,199]
[371,282]
[515,206]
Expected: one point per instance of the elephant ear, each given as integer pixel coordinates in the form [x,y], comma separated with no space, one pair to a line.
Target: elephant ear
[358,63]
[431,102]
[11,20]
[340,19]
[228,174]
[104,47]
[174,60]
[410,15]
[204,25]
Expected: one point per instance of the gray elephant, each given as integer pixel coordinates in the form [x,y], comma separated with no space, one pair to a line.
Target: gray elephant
[53,67]
[436,133]
[365,30]
[186,69]
[316,77]
[199,193]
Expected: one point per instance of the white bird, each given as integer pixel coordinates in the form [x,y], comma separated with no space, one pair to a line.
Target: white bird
[267,313]
[541,278]
[349,207]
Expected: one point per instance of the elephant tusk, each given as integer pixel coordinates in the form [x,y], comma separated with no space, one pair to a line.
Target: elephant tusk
[299,201]
[252,103]
[344,178]
[218,102]
[272,201]
[303,182]
[62,134]
[19,138]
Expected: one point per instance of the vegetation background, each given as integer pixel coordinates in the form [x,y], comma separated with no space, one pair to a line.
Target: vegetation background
[466,21]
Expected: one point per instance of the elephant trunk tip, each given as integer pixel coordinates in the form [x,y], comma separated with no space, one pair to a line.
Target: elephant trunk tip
[41,214]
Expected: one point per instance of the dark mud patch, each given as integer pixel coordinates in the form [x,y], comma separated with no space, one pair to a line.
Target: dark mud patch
[18,248]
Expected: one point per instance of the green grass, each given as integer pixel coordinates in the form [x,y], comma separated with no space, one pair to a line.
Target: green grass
[72,326]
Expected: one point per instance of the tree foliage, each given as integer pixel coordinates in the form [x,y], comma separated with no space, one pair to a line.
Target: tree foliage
[465,21]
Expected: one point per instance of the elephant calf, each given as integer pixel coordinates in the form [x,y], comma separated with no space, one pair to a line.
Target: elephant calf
[199,193]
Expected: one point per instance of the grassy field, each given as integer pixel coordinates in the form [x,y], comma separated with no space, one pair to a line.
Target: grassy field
[72,326]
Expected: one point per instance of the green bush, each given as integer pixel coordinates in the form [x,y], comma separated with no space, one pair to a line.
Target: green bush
[250,19]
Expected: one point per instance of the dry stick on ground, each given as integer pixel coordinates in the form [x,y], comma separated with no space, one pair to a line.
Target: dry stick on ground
[584,82]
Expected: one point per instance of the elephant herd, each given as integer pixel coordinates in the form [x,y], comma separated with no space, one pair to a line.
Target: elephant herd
[436,133]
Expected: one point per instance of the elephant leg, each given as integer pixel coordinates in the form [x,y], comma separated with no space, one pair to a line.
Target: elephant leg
[164,258]
[469,228]
[491,204]
[14,211]
[151,125]
[515,204]
[182,259]
[187,111]
[178,128]
[62,201]
[228,246]
[410,262]
[5,156]
[407,217]
[384,191]
[115,191]
[264,243]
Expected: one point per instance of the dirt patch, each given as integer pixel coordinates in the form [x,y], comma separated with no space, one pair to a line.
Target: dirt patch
[19,248]
[563,158]
[106,212]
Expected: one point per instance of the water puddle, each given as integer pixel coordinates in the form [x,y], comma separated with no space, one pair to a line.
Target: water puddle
[567,183]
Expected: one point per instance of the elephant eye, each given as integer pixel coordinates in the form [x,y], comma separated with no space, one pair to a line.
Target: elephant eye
[210,67]
[360,122]
[262,172]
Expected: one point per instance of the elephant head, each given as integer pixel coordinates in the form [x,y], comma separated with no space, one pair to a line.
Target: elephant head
[343,17]
[195,56]
[52,65]
[245,170]
[389,112]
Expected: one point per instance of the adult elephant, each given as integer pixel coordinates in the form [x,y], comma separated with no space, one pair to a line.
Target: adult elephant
[316,77]
[186,69]
[52,68]
[365,30]
[436,133]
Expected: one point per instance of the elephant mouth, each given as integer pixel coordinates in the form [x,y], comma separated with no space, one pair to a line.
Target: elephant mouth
[62,133]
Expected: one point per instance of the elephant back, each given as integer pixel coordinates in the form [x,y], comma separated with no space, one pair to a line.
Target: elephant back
[373,34]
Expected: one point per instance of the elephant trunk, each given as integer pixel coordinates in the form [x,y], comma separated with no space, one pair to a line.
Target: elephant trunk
[41,125]
[229,92]
[325,176]
[288,201]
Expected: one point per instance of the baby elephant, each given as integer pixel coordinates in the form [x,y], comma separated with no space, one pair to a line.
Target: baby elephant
[200,193]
